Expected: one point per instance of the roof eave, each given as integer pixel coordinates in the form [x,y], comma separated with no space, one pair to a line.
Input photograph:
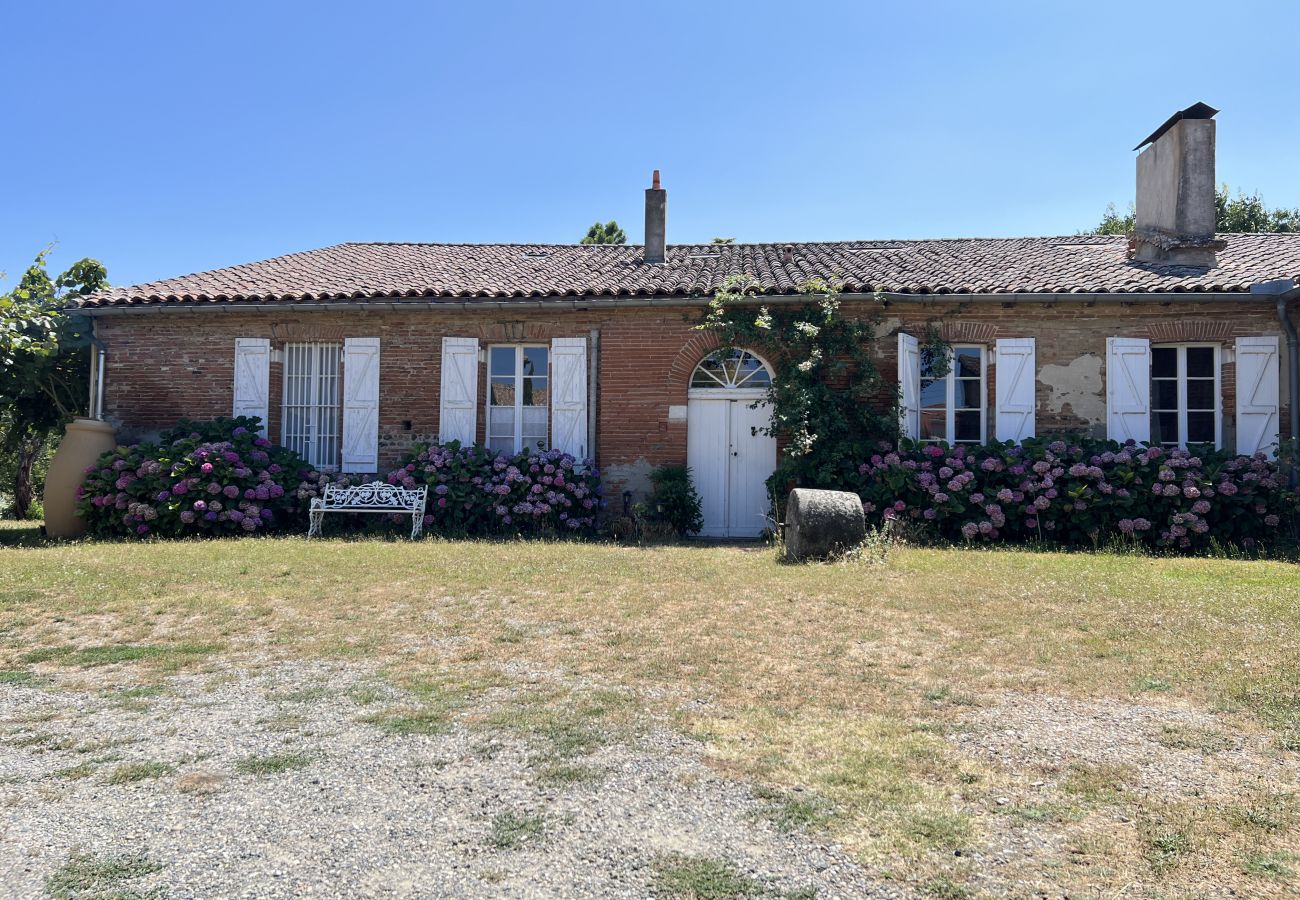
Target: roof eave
[397,303]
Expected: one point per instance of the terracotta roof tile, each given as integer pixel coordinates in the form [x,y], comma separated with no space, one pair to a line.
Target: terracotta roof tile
[1078,264]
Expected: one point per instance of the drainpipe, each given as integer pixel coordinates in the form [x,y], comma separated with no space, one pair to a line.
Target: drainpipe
[98,356]
[1285,289]
[593,372]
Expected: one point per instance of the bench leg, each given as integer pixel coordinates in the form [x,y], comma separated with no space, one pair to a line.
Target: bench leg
[315,517]
[417,524]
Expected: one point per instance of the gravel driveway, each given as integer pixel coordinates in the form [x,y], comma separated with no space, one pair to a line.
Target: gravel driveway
[273,785]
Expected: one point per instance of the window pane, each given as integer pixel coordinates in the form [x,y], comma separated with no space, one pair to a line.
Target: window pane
[502,392]
[534,392]
[1164,362]
[968,393]
[966,361]
[934,393]
[934,424]
[752,372]
[504,445]
[1200,394]
[503,360]
[968,426]
[535,422]
[1164,428]
[928,364]
[1200,362]
[535,361]
[1164,394]
[501,422]
[1200,428]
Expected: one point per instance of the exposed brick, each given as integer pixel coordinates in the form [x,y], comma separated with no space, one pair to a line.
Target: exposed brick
[165,366]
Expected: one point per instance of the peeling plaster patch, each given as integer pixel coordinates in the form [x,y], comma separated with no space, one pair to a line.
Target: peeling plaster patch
[1076,389]
[634,477]
[885,328]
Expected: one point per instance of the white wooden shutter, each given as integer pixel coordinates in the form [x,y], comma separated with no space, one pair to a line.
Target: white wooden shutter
[360,405]
[1128,389]
[1259,374]
[1016,376]
[569,396]
[458,396]
[252,378]
[909,386]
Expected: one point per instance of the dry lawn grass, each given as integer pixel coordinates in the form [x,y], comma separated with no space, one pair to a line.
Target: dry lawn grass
[841,688]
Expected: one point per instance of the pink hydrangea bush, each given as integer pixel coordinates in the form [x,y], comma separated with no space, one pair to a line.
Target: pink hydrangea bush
[217,477]
[473,490]
[1083,492]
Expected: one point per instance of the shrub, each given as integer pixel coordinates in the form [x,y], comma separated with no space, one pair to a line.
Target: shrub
[473,490]
[216,477]
[1084,492]
[674,501]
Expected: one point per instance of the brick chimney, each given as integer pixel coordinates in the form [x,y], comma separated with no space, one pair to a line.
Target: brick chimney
[656,221]
[1175,191]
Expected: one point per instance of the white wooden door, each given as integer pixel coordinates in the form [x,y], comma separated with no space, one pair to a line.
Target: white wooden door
[753,458]
[730,464]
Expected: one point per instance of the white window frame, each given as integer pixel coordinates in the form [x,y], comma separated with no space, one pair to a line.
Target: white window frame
[519,394]
[950,409]
[1181,377]
[323,451]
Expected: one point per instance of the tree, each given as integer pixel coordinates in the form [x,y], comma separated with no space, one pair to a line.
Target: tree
[1244,213]
[609,233]
[44,365]
[723,240]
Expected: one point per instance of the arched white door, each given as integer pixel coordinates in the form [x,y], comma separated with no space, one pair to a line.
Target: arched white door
[729,461]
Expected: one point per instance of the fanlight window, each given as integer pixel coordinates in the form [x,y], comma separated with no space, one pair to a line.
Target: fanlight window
[731,369]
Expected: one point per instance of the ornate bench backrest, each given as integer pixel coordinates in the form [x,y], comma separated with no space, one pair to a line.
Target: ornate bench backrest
[376,495]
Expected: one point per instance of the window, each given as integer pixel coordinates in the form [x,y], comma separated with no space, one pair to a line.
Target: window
[1185,395]
[953,406]
[310,423]
[731,369]
[518,398]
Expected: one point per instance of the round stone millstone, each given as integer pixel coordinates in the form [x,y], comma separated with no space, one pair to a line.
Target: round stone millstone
[821,523]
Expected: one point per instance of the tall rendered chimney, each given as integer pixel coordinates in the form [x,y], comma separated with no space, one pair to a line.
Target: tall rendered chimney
[1175,191]
[656,221]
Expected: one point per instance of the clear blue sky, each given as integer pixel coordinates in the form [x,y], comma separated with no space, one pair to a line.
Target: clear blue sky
[166,138]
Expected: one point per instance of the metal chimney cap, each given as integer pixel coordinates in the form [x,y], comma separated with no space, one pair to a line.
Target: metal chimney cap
[1197,110]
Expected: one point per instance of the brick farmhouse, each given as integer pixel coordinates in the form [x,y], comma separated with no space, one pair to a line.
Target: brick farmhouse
[352,354]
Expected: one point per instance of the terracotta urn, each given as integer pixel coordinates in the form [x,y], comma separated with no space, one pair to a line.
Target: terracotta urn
[84,441]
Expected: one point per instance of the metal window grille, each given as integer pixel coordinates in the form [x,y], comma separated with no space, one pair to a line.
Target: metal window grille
[310,423]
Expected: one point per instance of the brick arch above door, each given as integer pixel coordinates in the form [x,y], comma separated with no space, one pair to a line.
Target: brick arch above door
[698,346]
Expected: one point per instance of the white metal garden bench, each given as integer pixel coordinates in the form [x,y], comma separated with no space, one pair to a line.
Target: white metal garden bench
[375,497]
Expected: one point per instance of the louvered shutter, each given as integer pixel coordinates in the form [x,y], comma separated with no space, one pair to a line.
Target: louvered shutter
[909,386]
[569,396]
[252,378]
[360,405]
[1128,389]
[1259,374]
[458,397]
[1016,376]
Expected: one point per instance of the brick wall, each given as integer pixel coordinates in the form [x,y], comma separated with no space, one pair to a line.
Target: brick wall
[167,365]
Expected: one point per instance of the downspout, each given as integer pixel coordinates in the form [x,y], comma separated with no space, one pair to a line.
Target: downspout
[1284,290]
[593,370]
[1293,355]
[98,356]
